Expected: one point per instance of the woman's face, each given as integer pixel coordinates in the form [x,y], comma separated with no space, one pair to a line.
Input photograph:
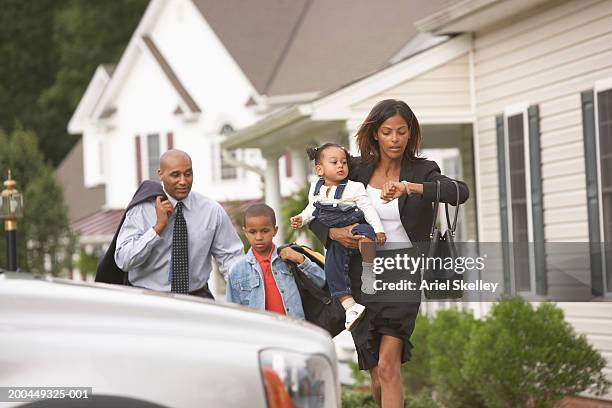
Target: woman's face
[392,137]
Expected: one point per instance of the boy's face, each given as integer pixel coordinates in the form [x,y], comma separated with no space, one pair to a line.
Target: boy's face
[259,231]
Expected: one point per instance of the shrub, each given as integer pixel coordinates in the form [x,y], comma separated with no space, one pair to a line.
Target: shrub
[416,373]
[422,400]
[352,398]
[523,356]
[447,342]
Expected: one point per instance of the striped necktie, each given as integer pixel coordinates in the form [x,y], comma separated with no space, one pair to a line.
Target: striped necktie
[180,253]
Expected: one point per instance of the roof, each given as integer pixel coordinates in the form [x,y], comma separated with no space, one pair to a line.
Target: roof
[170,74]
[109,68]
[103,222]
[287,47]
[474,15]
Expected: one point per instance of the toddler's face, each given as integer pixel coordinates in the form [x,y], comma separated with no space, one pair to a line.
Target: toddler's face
[333,165]
[260,231]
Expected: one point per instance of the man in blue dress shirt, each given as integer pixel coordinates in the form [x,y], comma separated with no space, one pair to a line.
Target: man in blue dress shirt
[167,245]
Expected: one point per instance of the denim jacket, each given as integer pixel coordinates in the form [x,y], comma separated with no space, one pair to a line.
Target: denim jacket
[245,283]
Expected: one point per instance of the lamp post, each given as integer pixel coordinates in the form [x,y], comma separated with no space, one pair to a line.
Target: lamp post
[11,209]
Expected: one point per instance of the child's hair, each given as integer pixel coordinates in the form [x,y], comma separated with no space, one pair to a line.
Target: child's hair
[259,210]
[314,153]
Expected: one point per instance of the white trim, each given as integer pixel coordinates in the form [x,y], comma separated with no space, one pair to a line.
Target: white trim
[95,89]
[600,86]
[513,110]
[336,105]
[152,13]
[475,143]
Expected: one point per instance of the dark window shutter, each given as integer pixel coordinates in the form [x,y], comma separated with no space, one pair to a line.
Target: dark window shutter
[537,204]
[288,165]
[138,161]
[170,140]
[503,200]
[590,160]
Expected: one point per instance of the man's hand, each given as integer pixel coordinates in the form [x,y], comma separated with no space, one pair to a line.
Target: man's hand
[288,254]
[345,237]
[296,222]
[163,209]
[381,238]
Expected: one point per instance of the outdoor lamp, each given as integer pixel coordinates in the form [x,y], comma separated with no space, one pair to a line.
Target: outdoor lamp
[11,209]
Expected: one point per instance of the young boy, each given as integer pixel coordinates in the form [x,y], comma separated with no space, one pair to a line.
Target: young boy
[262,280]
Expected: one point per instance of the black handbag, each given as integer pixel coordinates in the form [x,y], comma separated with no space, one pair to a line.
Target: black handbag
[439,272]
[319,307]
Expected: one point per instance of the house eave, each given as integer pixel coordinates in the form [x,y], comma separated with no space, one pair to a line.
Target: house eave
[473,15]
[253,136]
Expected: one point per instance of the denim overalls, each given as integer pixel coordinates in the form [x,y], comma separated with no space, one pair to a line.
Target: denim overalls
[337,256]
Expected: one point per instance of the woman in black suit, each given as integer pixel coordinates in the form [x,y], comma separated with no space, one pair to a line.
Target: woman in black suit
[403,187]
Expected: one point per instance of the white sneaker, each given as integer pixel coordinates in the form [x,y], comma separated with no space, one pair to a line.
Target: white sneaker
[353,316]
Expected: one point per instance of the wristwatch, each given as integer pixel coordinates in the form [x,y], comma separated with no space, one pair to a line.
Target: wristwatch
[405,183]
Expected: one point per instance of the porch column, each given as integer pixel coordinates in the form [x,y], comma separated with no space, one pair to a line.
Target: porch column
[298,166]
[352,141]
[272,188]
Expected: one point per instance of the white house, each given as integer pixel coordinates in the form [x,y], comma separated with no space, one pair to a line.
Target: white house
[195,71]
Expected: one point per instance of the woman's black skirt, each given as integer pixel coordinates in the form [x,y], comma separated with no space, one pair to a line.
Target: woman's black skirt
[388,312]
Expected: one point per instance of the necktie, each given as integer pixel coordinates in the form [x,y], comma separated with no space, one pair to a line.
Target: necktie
[180,253]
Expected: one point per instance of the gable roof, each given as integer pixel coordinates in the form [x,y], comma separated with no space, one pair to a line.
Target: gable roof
[170,74]
[93,94]
[298,46]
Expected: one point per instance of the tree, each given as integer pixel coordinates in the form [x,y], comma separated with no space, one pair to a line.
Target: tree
[42,234]
[86,34]
[28,58]
[49,50]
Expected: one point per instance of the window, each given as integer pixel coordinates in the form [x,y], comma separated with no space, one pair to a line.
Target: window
[520,188]
[518,200]
[228,172]
[153,152]
[604,148]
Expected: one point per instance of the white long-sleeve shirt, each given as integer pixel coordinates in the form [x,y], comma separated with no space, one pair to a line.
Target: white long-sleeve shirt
[354,195]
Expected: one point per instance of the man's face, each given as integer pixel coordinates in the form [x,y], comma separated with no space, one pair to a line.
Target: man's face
[177,176]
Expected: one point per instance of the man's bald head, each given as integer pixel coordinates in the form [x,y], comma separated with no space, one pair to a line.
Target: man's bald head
[171,157]
[175,173]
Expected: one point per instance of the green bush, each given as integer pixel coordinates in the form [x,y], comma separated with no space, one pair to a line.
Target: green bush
[523,356]
[416,373]
[354,398]
[422,400]
[449,334]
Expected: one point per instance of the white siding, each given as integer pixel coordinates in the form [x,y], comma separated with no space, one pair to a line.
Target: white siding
[444,89]
[547,59]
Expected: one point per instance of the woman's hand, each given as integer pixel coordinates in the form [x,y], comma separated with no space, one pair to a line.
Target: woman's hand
[392,190]
[381,237]
[288,254]
[345,237]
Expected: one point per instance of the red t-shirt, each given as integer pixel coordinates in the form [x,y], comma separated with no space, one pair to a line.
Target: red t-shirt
[274,300]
